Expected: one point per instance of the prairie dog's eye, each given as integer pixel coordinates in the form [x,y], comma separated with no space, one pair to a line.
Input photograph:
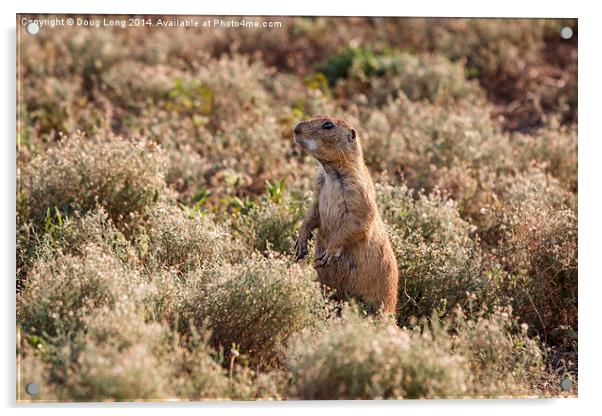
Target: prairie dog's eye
[328,125]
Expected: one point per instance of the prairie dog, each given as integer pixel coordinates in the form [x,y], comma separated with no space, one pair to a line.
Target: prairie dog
[353,253]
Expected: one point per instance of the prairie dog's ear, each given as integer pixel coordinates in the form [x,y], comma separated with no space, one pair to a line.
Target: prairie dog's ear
[352,135]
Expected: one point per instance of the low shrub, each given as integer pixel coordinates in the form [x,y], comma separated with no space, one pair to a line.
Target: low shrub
[504,361]
[553,149]
[73,234]
[62,290]
[116,358]
[272,224]
[514,61]
[488,355]
[51,108]
[196,374]
[438,257]
[207,143]
[184,241]
[70,236]
[383,76]
[81,173]
[360,359]
[122,357]
[536,227]
[134,85]
[461,150]
[458,149]
[256,305]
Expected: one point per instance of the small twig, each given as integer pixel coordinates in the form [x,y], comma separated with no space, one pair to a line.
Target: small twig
[545,333]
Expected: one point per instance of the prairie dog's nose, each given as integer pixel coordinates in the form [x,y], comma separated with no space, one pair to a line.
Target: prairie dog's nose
[297,128]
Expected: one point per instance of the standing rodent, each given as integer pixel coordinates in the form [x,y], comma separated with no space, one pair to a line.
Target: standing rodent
[353,253]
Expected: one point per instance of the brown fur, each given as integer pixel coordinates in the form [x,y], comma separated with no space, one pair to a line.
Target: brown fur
[352,252]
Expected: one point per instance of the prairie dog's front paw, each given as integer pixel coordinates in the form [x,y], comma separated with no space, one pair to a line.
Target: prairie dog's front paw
[328,257]
[300,249]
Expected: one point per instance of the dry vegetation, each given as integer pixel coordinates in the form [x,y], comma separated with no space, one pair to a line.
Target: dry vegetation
[159,194]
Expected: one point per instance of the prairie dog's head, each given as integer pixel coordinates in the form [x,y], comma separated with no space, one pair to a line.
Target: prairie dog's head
[328,139]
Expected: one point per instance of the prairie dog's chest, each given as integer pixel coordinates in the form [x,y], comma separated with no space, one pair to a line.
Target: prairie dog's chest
[331,203]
